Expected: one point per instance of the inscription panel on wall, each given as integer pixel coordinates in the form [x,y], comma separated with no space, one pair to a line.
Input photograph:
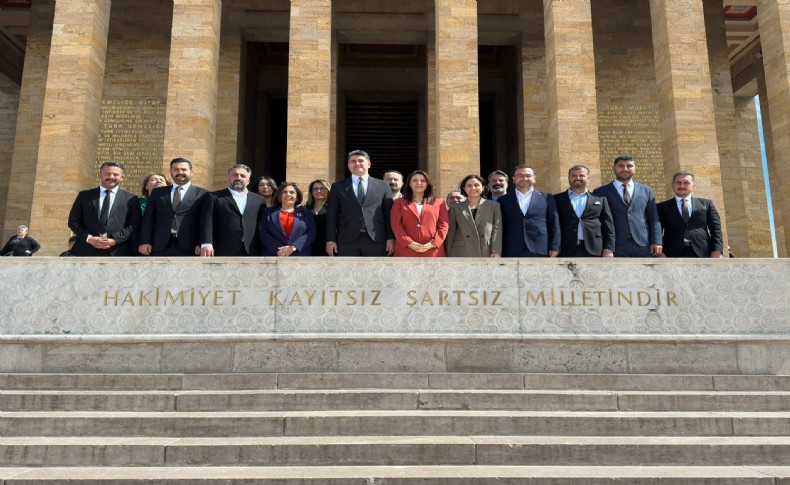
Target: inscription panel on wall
[393,297]
[131,132]
[633,130]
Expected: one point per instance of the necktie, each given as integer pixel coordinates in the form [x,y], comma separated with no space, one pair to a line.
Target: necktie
[176,203]
[684,214]
[626,195]
[361,191]
[104,215]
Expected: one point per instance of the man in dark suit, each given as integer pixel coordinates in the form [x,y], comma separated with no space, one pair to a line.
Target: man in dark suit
[106,217]
[229,218]
[692,228]
[585,220]
[171,223]
[358,213]
[497,184]
[530,225]
[633,205]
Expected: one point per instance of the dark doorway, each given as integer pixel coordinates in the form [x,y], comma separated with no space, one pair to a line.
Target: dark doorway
[266,113]
[388,131]
[499,108]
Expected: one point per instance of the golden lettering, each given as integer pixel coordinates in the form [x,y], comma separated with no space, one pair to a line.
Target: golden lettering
[534,298]
[218,296]
[203,296]
[671,298]
[128,298]
[376,294]
[351,295]
[640,300]
[443,297]
[274,297]
[426,297]
[107,297]
[295,298]
[496,297]
[172,298]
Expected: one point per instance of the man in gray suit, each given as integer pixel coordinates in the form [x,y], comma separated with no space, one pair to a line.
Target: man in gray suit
[633,205]
[358,213]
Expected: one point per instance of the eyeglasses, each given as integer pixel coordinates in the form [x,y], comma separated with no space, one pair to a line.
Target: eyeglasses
[318,189]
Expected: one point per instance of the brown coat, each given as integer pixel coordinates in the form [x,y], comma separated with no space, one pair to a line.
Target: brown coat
[478,237]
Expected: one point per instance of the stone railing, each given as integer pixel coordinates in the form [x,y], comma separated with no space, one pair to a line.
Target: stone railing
[395,298]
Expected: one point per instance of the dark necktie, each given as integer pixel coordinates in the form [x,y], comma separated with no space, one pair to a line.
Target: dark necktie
[684,214]
[361,191]
[104,215]
[176,203]
[626,195]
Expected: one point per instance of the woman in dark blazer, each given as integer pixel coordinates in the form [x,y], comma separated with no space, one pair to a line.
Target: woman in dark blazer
[316,202]
[419,219]
[287,229]
[475,224]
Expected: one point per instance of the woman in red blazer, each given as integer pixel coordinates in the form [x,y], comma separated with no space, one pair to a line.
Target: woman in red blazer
[419,219]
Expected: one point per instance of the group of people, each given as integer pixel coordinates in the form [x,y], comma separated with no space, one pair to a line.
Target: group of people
[366,216]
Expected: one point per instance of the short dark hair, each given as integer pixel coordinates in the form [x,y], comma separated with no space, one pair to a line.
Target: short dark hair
[278,196]
[627,158]
[496,172]
[111,164]
[361,153]
[683,174]
[579,167]
[393,171]
[523,166]
[180,160]
[241,166]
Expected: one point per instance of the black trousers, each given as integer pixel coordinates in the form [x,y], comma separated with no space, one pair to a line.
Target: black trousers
[363,246]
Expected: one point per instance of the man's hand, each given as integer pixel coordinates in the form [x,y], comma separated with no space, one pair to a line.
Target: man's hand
[207,252]
[331,248]
[390,247]
[716,254]
[553,254]
[607,254]
[145,249]
[656,249]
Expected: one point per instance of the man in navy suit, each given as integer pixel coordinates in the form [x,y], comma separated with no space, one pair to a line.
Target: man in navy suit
[358,213]
[587,227]
[530,224]
[633,205]
[692,228]
[229,218]
[171,223]
[105,218]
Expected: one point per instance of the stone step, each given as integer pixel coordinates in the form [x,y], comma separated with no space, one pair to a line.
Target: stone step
[614,382]
[304,400]
[413,422]
[392,450]
[384,475]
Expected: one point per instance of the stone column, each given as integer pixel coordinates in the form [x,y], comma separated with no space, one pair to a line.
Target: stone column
[456,84]
[70,122]
[533,92]
[310,79]
[570,86]
[773,17]
[732,177]
[688,121]
[773,176]
[755,203]
[230,111]
[19,200]
[9,102]
[191,116]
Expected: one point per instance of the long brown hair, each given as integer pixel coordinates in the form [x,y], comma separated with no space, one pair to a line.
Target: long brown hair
[408,194]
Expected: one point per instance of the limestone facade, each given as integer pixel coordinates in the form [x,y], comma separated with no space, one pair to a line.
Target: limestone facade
[273,83]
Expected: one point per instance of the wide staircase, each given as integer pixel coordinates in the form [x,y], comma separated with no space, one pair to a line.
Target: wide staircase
[394,428]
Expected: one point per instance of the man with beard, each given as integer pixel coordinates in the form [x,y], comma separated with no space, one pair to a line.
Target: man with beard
[171,223]
[230,218]
[636,225]
[497,184]
[586,223]
[395,180]
[105,218]
[530,225]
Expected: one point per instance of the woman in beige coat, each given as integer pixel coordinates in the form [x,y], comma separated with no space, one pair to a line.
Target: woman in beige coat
[475,224]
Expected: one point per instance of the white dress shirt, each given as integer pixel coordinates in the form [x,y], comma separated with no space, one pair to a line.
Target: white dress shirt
[524,200]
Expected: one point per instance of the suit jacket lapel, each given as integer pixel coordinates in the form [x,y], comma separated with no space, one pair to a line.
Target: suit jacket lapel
[232,201]
[413,207]
[467,213]
[95,194]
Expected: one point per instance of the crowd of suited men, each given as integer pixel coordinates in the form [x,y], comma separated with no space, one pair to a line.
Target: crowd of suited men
[365,216]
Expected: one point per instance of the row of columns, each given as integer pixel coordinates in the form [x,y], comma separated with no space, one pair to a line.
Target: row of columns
[63,157]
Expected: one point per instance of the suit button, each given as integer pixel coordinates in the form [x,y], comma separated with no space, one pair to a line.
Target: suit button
[418,225]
